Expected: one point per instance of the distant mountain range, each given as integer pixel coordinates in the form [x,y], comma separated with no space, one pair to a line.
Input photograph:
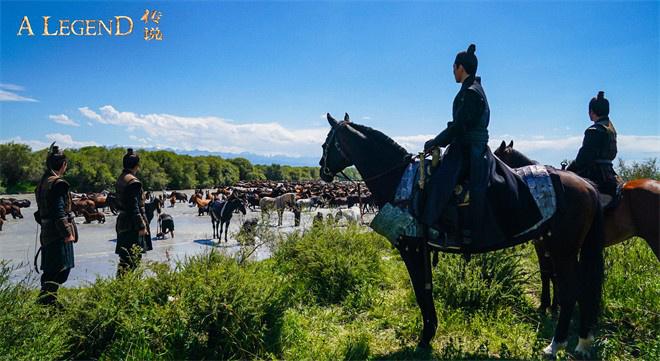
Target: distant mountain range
[253,158]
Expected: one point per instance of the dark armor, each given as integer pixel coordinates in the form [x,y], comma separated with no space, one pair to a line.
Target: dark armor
[594,159]
[131,219]
[57,224]
[467,137]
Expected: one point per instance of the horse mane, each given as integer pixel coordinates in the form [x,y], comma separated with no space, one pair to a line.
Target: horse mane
[379,136]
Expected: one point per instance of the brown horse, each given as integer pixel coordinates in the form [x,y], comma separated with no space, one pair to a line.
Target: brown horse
[576,229]
[93,216]
[637,214]
[202,204]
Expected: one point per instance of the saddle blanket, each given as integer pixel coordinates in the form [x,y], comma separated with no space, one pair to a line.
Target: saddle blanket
[540,186]
[400,217]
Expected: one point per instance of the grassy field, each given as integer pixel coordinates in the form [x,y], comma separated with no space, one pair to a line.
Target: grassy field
[326,294]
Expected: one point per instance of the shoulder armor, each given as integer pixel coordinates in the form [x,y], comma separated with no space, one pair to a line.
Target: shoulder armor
[56,180]
[130,179]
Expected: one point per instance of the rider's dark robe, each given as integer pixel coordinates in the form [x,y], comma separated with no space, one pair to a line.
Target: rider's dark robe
[132,216]
[594,159]
[467,137]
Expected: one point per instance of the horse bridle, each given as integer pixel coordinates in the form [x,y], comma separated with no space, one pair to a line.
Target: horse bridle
[332,138]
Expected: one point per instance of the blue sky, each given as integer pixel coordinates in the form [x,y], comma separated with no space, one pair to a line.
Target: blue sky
[257,77]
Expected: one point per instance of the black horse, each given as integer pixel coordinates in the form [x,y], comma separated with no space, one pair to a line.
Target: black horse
[576,229]
[150,207]
[221,213]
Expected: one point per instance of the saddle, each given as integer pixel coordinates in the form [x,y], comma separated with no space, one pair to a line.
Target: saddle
[520,205]
[607,201]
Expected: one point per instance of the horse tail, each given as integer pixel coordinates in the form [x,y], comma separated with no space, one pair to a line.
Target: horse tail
[592,268]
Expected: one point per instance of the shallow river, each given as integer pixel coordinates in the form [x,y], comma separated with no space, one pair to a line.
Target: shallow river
[94,253]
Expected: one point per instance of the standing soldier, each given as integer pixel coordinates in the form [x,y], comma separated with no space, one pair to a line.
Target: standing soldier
[594,159]
[467,137]
[133,236]
[58,230]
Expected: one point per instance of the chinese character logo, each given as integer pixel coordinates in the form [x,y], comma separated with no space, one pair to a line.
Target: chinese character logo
[152,33]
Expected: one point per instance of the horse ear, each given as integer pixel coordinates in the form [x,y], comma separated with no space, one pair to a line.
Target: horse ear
[511,144]
[502,145]
[347,118]
[331,120]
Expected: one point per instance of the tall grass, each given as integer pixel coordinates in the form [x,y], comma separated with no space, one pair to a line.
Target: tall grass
[326,294]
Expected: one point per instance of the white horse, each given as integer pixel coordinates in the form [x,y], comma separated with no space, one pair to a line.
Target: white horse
[267,204]
[351,215]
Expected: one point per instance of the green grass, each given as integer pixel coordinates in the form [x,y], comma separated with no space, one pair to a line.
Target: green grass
[326,294]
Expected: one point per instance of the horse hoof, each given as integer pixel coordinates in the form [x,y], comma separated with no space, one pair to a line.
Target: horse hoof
[553,347]
[423,346]
[583,347]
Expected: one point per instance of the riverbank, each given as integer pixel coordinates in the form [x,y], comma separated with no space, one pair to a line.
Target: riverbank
[328,294]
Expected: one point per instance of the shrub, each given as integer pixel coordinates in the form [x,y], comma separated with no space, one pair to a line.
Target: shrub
[486,282]
[330,263]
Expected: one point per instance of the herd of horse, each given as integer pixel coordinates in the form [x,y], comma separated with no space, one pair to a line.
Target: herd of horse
[275,198]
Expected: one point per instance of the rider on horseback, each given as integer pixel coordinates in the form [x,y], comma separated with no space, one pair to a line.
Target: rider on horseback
[467,136]
[594,160]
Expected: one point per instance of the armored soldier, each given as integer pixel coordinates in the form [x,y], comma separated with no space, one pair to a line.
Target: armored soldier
[594,159]
[58,230]
[133,236]
[467,137]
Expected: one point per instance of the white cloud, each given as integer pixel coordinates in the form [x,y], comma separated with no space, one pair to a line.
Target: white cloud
[366,117]
[63,140]
[549,150]
[11,87]
[34,144]
[66,141]
[413,143]
[8,96]
[63,119]
[213,134]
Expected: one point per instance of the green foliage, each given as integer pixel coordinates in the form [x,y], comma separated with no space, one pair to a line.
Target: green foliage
[326,294]
[93,169]
[328,264]
[487,282]
[19,167]
[647,169]
[631,316]
[29,332]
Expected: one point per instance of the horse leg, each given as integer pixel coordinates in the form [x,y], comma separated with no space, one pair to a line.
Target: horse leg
[226,230]
[413,253]
[591,269]
[213,226]
[545,267]
[565,267]
[220,234]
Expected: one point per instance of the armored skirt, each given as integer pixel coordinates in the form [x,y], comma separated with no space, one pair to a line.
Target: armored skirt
[126,240]
[57,256]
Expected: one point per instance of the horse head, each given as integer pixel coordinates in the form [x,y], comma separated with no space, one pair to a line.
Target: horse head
[379,160]
[512,157]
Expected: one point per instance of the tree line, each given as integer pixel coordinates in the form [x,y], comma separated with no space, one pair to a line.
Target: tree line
[92,169]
